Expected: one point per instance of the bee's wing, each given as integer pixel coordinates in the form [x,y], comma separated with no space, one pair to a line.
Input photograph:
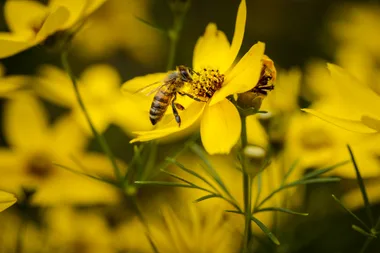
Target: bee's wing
[149,89]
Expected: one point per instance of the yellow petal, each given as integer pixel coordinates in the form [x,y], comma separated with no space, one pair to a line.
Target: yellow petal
[54,85]
[25,122]
[220,127]
[244,76]
[24,15]
[93,5]
[67,137]
[10,84]
[351,125]
[11,44]
[53,23]
[100,80]
[357,99]
[212,50]
[239,31]
[256,132]
[189,117]
[75,9]
[6,200]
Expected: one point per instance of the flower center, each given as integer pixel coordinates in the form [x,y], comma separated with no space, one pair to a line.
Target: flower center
[39,166]
[205,83]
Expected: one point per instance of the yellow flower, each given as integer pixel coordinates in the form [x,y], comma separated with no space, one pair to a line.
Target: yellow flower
[9,85]
[33,147]
[185,229]
[6,200]
[316,143]
[100,91]
[31,22]
[142,42]
[350,104]
[213,59]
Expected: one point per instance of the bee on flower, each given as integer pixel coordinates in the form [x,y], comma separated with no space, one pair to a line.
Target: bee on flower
[215,77]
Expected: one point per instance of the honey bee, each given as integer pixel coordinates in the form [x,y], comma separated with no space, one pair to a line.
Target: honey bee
[166,94]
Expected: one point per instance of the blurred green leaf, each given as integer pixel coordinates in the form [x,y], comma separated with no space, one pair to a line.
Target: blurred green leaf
[290,170]
[362,231]
[157,27]
[207,197]
[162,183]
[104,180]
[191,172]
[265,230]
[279,209]
[316,173]
[362,187]
[209,169]
[349,211]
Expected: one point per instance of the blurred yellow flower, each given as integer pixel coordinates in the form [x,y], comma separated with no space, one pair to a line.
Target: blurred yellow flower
[213,59]
[356,24]
[184,229]
[70,230]
[9,85]
[33,147]
[6,200]
[316,143]
[135,38]
[31,22]
[100,91]
[350,104]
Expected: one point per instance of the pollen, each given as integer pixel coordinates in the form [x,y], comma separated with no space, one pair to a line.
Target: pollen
[206,82]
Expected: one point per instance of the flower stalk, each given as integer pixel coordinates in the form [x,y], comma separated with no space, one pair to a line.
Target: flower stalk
[100,138]
[247,189]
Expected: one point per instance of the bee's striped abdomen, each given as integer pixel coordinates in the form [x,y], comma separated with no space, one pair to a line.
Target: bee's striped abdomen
[159,105]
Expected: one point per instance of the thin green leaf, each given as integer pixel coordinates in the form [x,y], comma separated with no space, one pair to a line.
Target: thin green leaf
[161,183]
[210,196]
[290,170]
[177,177]
[103,180]
[191,172]
[300,182]
[209,168]
[362,231]
[265,230]
[349,211]
[279,209]
[155,250]
[316,173]
[234,211]
[157,27]
[362,187]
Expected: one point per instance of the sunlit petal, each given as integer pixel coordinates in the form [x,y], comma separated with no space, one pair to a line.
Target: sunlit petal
[138,83]
[351,125]
[212,50]
[11,44]
[239,31]
[256,132]
[6,200]
[54,84]
[53,23]
[244,76]
[25,122]
[220,127]
[75,8]
[188,116]
[24,15]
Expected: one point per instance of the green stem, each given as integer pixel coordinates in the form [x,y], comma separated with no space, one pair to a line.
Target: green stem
[100,138]
[247,182]
[179,10]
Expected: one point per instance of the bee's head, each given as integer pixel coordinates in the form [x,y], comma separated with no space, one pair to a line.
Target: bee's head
[185,73]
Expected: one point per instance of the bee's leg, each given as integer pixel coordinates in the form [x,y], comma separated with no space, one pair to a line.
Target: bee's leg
[175,112]
[191,96]
[179,106]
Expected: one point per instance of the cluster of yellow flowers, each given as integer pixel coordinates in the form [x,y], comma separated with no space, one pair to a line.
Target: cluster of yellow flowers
[70,199]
